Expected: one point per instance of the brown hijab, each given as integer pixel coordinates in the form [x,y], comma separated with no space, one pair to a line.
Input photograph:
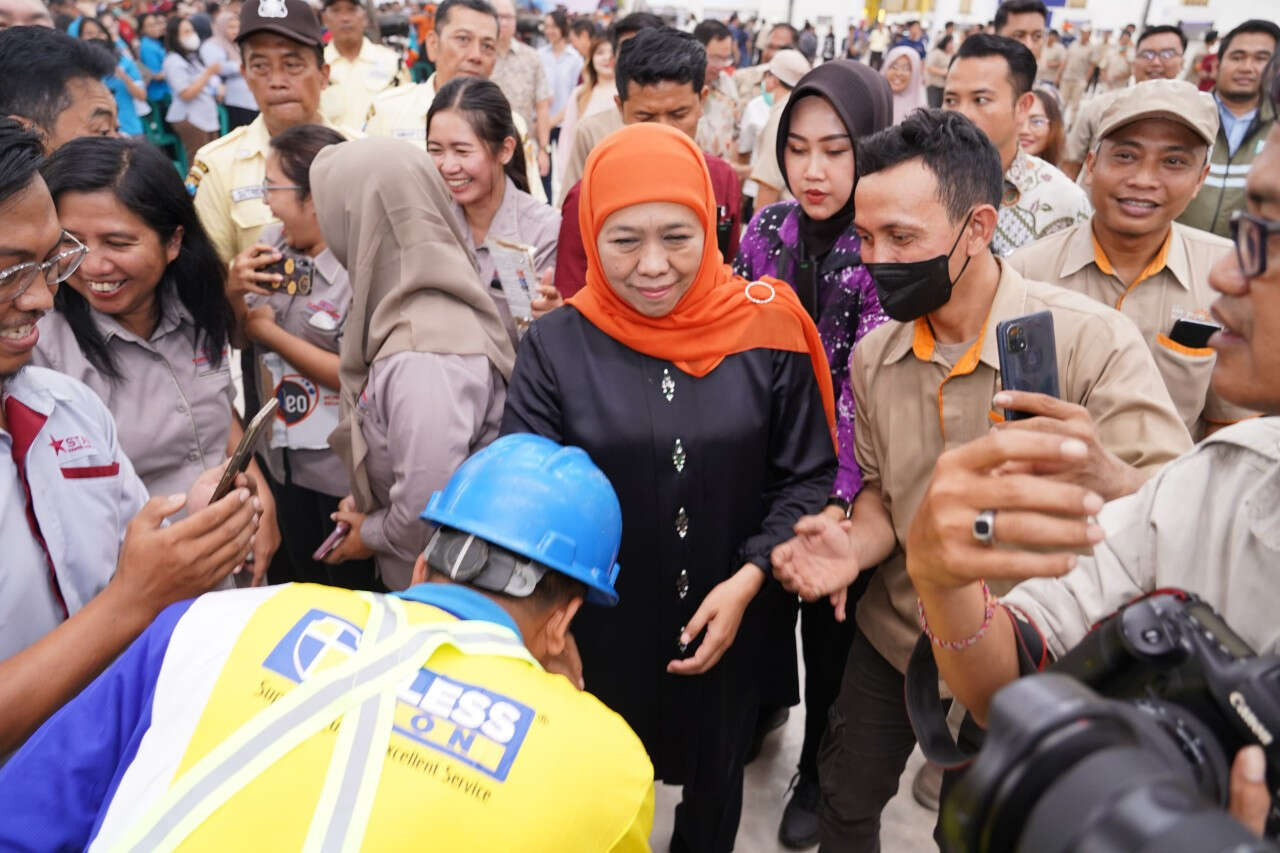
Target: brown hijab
[388,218]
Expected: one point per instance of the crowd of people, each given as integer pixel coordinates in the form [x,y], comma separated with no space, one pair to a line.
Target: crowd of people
[698,328]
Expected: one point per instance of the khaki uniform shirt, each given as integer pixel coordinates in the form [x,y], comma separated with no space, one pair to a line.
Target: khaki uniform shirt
[1078,61]
[401,113]
[353,84]
[172,405]
[1209,523]
[912,406]
[226,177]
[586,136]
[1174,286]
[1084,129]
[1038,200]
[1052,57]
[767,169]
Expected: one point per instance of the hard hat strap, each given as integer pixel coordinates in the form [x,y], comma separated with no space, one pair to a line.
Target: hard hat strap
[467,559]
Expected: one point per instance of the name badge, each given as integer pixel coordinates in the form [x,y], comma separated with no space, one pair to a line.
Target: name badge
[240,194]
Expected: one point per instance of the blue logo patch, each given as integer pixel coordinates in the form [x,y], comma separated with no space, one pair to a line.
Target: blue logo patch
[464,721]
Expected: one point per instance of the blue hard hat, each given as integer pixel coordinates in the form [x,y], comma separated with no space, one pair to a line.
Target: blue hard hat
[543,501]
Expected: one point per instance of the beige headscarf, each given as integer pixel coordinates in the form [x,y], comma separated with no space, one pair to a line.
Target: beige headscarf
[387,216]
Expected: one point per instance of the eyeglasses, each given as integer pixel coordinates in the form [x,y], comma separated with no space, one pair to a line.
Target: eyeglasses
[1165,55]
[16,280]
[268,187]
[1251,235]
[1038,122]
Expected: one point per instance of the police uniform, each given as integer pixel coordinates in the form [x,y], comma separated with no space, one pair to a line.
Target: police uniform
[226,175]
[353,84]
[402,114]
[266,718]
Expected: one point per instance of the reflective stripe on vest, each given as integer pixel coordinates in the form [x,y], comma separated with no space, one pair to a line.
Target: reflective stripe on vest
[361,690]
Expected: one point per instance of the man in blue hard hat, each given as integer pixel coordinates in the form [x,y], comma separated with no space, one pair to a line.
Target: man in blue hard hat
[302,715]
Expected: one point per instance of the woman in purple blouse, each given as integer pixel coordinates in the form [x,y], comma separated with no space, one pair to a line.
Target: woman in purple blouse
[810,243]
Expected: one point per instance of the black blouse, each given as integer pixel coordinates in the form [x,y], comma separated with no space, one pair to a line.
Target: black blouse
[712,473]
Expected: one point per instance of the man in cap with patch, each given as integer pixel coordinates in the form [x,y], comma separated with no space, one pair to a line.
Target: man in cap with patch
[1151,160]
[358,69]
[301,716]
[284,65]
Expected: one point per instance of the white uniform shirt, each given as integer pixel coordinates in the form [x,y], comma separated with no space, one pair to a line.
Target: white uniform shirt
[83,491]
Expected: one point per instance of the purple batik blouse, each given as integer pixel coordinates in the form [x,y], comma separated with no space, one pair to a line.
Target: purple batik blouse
[848,309]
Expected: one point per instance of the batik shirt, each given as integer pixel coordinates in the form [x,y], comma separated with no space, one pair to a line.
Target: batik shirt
[1038,200]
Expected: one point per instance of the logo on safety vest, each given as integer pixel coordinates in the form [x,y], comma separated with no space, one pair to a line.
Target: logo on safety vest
[467,722]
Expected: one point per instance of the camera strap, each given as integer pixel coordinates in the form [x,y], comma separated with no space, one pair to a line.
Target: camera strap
[924,700]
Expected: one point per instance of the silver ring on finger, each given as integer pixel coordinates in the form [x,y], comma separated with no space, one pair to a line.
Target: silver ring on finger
[984,527]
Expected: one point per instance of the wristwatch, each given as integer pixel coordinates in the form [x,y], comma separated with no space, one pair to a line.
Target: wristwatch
[845,505]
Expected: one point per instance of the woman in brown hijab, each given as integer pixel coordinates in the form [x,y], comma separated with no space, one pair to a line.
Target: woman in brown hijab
[425,357]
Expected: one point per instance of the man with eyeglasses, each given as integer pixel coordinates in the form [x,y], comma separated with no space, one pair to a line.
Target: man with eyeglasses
[1151,160]
[1206,523]
[1159,57]
[463,42]
[87,561]
[286,72]
[747,80]
[1247,119]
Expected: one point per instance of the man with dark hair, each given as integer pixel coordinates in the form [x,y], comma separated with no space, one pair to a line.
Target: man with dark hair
[582,31]
[1024,21]
[53,83]
[87,562]
[297,715]
[1051,59]
[990,82]
[24,13]
[926,211]
[522,75]
[1159,57]
[912,37]
[718,127]
[463,41]
[285,69]
[661,77]
[591,130]
[1247,118]
[1206,523]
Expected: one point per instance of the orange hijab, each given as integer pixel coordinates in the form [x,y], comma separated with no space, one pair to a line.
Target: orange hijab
[720,314]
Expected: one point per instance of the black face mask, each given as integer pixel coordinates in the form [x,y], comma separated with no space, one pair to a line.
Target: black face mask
[909,290]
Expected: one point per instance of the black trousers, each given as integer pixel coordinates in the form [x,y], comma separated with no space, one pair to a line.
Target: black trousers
[546,179]
[825,647]
[864,752]
[303,516]
[706,820]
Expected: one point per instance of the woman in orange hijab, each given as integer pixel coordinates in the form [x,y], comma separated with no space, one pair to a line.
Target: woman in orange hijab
[707,401]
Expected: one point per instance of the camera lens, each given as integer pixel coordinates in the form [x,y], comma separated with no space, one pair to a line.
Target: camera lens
[1017,339]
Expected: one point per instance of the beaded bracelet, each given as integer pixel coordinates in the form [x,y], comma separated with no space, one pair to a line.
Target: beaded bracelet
[960,645]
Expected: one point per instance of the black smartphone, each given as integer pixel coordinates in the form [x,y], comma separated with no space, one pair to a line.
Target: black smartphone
[1193,333]
[296,272]
[1028,357]
[244,450]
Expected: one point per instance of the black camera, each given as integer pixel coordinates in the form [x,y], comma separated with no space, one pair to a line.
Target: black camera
[1146,769]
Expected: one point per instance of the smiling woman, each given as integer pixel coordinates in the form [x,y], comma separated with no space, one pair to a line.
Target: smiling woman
[707,402]
[144,321]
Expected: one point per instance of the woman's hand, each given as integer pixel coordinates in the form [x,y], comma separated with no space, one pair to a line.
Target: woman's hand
[351,547]
[549,298]
[245,276]
[259,323]
[267,540]
[721,614]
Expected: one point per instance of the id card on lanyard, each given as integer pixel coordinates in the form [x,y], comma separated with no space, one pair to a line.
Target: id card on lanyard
[308,411]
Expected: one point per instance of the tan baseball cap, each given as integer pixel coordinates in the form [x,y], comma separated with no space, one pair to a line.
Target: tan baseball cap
[1175,100]
[789,66]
